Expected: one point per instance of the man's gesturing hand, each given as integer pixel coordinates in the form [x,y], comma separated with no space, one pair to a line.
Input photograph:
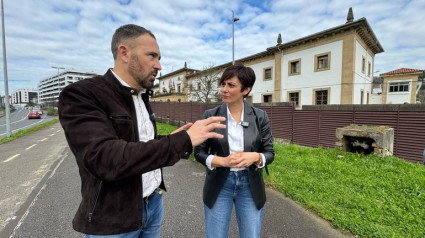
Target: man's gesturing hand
[201,130]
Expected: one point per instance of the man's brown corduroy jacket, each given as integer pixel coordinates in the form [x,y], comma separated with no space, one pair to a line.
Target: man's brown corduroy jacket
[100,124]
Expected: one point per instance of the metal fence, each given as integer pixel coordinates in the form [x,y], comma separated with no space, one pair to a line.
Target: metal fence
[315,126]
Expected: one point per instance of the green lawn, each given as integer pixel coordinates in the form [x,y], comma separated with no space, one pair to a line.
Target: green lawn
[367,195]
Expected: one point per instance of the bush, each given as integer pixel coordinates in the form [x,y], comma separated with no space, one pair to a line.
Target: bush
[52,111]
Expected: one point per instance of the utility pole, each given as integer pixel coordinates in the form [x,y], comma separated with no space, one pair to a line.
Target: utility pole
[233,36]
[6,86]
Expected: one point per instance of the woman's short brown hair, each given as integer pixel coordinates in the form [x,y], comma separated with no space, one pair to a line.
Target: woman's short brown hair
[245,75]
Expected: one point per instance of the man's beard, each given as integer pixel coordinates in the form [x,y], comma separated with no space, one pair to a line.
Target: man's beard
[135,69]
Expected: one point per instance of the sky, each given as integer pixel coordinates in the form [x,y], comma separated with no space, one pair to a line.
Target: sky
[76,34]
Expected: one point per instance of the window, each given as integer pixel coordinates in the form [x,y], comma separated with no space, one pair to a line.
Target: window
[322,61]
[363,64]
[179,88]
[267,74]
[368,69]
[199,86]
[399,87]
[321,97]
[295,67]
[294,97]
[267,98]
[361,96]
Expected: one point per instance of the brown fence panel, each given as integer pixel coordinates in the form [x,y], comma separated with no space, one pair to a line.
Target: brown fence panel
[410,136]
[306,128]
[329,121]
[281,122]
[316,127]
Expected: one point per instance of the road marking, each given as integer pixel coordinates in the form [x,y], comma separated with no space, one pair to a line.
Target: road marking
[11,158]
[43,139]
[58,130]
[30,147]
[38,122]
[52,134]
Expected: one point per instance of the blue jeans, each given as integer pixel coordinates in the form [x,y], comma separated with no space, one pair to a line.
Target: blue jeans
[153,214]
[236,191]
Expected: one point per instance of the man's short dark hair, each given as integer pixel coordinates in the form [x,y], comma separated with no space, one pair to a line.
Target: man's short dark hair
[245,75]
[124,34]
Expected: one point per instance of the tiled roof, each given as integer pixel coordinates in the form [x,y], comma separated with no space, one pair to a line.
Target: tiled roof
[403,71]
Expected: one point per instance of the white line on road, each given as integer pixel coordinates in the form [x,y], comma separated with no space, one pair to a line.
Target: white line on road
[43,139]
[52,134]
[11,158]
[38,122]
[30,147]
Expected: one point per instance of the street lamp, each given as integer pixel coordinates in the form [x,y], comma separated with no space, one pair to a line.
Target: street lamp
[233,35]
[6,85]
[55,67]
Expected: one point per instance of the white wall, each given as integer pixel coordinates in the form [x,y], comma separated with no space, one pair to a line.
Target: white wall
[399,97]
[375,98]
[308,79]
[362,81]
[262,87]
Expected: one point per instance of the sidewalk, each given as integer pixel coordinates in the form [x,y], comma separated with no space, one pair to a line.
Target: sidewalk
[184,210]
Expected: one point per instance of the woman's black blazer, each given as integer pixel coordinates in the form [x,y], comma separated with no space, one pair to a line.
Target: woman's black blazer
[257,138]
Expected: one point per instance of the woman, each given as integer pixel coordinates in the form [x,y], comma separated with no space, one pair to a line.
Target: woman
[234,163]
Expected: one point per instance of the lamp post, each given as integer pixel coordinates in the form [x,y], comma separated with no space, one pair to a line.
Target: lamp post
[6,85]
[233,36]
[59,68]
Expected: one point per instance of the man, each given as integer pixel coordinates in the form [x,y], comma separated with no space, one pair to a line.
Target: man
[110,128]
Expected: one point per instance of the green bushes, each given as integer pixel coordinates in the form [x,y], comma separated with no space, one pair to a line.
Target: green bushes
[51,111]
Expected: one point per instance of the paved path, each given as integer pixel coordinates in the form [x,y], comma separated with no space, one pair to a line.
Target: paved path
[184,209]
[49,212]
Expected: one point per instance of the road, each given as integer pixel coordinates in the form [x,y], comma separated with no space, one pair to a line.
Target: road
[40,194]
[19,121]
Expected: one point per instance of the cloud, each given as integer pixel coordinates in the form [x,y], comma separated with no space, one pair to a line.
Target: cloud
[77,33]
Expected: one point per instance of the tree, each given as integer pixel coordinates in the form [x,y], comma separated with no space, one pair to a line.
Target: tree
[30,104]
[204,88]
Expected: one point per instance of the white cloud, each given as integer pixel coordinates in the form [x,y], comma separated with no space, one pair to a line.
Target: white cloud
[77,33]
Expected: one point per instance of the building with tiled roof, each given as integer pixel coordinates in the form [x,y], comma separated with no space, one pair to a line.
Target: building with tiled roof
[334,66]
[401,85]
[403,71]
[172,86]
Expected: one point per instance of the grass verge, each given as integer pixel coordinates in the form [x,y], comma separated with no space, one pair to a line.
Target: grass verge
[24,132]
[368,195]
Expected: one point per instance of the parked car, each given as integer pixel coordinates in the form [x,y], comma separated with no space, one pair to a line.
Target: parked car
[34,115]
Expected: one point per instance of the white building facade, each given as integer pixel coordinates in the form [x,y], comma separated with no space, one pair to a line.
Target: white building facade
[334,66]
[22,97]
[50,88]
